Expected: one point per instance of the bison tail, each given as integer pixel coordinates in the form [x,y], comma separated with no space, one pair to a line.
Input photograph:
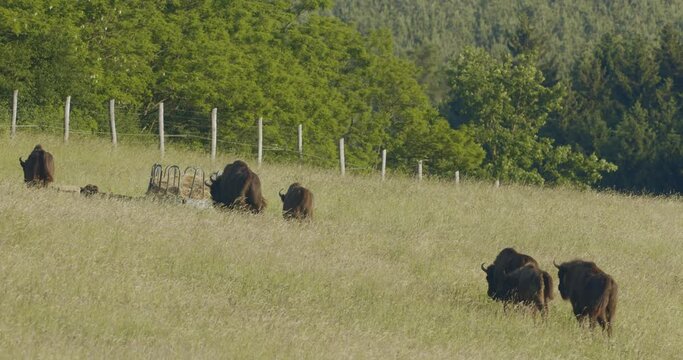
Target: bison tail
[547,286]
[612,304]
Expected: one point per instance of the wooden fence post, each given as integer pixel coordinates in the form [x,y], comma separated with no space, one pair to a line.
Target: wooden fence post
[67,114]
[419,170]
[112,121]
[214,132]
[260,141]
[13,129]
[301,142]
[342,160]
[457,177]
[384,163]
[161,129]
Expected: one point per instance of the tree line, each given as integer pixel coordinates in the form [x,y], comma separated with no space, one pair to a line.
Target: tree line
[594,86]
[515,115]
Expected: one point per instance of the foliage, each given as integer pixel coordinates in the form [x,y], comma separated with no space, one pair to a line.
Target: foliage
[564,28]
[505,105]
[280,60]
[627,108]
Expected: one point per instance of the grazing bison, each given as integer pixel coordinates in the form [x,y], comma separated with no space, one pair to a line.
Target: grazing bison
[527,285]
[237,188]
[297,203]
[501,277]
[39,168]
[591,291]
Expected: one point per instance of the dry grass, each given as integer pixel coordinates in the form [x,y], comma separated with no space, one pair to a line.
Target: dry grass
[386,270]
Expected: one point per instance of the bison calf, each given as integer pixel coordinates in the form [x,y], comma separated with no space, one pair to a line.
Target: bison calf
[297,203]
[592,293]
[39,168]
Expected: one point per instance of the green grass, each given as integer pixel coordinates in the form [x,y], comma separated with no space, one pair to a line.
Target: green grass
[385,270]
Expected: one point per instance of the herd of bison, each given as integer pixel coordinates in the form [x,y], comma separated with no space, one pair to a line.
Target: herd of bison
[513,278]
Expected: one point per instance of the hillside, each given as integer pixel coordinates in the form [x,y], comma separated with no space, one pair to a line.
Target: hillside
[386,269]
[567,28]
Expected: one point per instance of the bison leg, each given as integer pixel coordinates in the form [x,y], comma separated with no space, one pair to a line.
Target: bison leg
[542,307]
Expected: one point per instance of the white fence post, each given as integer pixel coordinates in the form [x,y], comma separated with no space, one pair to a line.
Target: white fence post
[384,163]
[162,149]
[457,177]
[419,170]
[301,142]
[342,160]
[13,129]
[497,183]
[260,141]
[67,113]
[214,132]
[112,121]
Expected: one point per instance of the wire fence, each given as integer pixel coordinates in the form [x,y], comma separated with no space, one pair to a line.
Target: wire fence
[187,125]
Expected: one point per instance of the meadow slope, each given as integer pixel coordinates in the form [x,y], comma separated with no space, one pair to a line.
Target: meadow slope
[387,269]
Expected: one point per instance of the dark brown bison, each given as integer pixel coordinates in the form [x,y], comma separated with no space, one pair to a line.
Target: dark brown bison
[592,293]
[504,266]
[39,168]
[297,203]
[237,188]
[527,285]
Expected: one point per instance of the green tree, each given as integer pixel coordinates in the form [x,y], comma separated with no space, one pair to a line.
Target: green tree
[505,105]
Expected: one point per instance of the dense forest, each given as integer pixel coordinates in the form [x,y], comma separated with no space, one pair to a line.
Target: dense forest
[612,73]
[539,92]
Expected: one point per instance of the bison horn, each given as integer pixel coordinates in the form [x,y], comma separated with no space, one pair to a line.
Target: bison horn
[21,162]
[482,267]
[557,266]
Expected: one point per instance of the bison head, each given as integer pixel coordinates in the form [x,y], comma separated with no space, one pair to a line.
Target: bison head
[490,279]
[562,275]
[214,185]
[25,166]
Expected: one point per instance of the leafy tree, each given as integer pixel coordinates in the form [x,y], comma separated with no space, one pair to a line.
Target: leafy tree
[505,105]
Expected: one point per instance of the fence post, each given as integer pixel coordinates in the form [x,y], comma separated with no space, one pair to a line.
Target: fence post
[161,128]
[301,142]
[419,170]
[67,114]
[457,177]
[260,141]
[112,121]
[342,160]
[13,129]
[384,163]
[214,132]
[497,183]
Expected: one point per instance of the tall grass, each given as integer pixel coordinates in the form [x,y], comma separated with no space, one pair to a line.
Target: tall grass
[385,270]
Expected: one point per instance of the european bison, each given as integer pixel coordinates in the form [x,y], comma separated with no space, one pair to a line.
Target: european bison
[297,203]
[237,188]
[591,291]
[501,277]
[39,168]
[527,285]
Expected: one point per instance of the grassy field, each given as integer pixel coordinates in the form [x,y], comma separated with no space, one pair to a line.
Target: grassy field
[386,270]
